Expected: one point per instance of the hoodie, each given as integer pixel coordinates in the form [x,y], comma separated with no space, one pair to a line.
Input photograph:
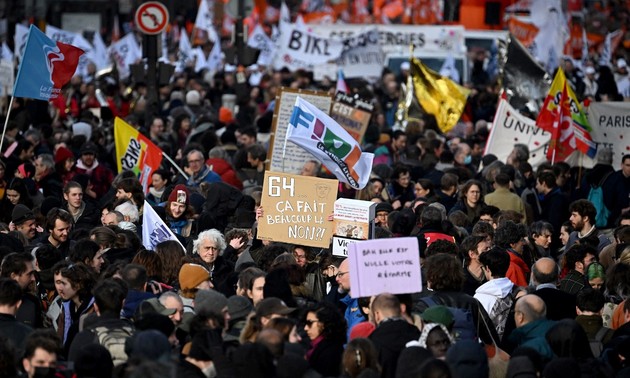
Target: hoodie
[495,298]
[518,270]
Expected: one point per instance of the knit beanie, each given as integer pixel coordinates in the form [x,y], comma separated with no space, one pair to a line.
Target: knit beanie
[191,275]
[210,303]
[180,194]
[62,154]
[21,213]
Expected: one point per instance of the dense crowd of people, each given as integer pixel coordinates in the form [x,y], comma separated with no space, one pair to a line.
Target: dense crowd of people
[525,272]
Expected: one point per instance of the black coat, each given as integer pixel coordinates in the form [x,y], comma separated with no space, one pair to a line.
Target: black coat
[326,358]
[15,331]
[390,338]
[560,304]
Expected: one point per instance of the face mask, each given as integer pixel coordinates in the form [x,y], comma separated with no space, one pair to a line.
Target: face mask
[468,160]
[44,372]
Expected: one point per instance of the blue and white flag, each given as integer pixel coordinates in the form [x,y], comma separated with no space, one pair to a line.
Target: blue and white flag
[154,230]
[324,138]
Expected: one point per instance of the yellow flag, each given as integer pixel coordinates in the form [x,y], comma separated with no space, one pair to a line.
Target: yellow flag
[438,95]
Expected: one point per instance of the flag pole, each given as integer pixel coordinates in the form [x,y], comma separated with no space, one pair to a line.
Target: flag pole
[170,160]
[6,121]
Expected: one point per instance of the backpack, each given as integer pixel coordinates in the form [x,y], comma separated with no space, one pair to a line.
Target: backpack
[596,197]
[463,326]
[596,343]
[501,310]
[114,340]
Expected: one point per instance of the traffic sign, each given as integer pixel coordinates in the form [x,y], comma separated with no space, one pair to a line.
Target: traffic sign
[151,17]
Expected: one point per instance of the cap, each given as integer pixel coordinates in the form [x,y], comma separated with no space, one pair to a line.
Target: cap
[89,148]
[239,307]
[405,66]
[63,154]
[269,306]
[193,98]
[210,302]
[180,194]
[21,214]
[225,115]
[621,63]
[363,330]
[589,70]
[438,314]
[153,306]
[191,275]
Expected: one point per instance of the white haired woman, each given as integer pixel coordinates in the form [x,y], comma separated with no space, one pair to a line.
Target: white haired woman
[209,247]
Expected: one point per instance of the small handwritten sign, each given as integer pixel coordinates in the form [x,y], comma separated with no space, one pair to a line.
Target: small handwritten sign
[384,266]
[296,209]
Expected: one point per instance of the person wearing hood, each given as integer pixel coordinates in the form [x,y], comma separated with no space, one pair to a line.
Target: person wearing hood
[392,332]
[509,238]
[496,295]
[435,338]
[100,176]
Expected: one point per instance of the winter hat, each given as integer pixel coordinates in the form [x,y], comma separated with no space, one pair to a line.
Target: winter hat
[521,367]
[180,194]
[411,360]
[239,307]
[203,344]
[150,344]
[225,115]
[82,128]
[155,321]
[193,98]
[362,330]
[94,361]
[438,314]
[210,303]
[621,63]
[27,170]
[384,206]
[467,358]
[191,275]
[21,214]
[63,154]
[89,148]
[272,305]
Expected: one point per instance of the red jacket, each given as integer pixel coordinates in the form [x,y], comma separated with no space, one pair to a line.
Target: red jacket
[225,170]
[518,272]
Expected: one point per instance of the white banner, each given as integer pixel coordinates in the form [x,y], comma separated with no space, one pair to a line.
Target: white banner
[21,34]
[125,52]
[205,16]
[212,62]
[185,54]
[509,128]
[397,38]
[99,54]
[261,41]
[154,230]
[6,77]
[610,122]
[362,56]
[301,49]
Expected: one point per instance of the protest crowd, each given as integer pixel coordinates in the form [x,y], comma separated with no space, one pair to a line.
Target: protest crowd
[525,263]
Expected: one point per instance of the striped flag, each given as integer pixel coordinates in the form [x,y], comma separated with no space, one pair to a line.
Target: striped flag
[341,83]
[324,138]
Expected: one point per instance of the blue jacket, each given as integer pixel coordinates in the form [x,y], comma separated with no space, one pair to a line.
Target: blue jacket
[353,314]
[134,297]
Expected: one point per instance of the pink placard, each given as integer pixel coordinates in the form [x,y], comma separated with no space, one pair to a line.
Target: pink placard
[384,266]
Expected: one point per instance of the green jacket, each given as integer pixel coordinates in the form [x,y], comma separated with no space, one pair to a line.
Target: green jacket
[532,335]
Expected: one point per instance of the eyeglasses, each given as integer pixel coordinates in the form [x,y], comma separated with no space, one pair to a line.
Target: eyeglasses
[309,323]
[195,161]
[340,274]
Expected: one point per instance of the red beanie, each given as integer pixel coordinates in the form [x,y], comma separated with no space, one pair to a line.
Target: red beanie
[225,115]
[63,154]
[180,194]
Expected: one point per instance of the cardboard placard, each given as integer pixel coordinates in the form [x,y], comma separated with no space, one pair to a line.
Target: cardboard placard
[384,266]
[352,113]
[295,156]
[296,209]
